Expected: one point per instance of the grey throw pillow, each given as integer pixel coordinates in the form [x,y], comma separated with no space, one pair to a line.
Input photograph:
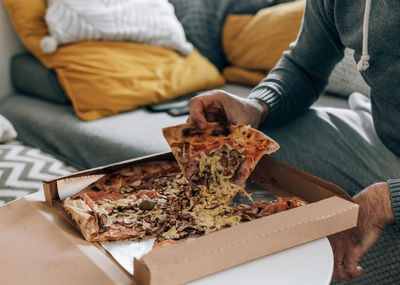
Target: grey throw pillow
[202,21]
[345,78]
[31,77]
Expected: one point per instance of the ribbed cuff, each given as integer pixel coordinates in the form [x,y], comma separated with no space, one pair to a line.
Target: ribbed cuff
[273,101]
[394,188]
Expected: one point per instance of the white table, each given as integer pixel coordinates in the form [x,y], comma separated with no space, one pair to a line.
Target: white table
[308,264]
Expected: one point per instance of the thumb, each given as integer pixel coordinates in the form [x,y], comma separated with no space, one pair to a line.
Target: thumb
[197,116]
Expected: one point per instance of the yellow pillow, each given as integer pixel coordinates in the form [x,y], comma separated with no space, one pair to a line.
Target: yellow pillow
[243,76]
[257,42]
[104,78]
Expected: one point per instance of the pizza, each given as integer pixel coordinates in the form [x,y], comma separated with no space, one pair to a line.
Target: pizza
[227,151]
[143,200]
[217,160]
[163,199]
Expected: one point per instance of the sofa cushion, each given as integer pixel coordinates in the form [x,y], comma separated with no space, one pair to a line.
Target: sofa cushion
[239,75]
[55,129]
[31,77]
[202,21]
[7,131]
[257,42]
[150,22]
[254,44]
[104,78]
[345,78]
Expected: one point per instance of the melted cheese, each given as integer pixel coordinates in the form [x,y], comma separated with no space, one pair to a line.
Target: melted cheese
[208,208]
[171,233]
[212,211]
[126,212]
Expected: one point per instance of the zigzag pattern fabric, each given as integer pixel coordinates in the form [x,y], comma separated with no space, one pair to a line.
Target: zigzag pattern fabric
[23,168]
[142,21]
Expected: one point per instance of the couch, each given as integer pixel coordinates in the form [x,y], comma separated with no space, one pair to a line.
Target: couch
[55,129]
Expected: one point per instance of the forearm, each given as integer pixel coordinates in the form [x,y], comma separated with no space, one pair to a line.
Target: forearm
[287,91]
[375,206]
[302,73]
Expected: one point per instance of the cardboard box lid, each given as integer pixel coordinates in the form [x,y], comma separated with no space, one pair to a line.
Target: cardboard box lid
[37,246]
[51,186]
[270,171]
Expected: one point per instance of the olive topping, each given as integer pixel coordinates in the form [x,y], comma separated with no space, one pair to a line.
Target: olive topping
[146,205]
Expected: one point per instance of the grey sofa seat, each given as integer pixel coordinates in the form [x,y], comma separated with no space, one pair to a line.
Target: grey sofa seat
[54,128]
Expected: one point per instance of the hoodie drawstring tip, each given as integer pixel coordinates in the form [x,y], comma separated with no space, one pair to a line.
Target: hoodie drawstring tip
[363,64]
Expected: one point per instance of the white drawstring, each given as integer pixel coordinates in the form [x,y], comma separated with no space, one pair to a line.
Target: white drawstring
[363,64]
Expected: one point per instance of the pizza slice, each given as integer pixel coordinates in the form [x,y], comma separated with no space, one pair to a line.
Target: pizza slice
[217,161]
[264,208]
[219,152]
[136,202]
[135,176]
[104,216]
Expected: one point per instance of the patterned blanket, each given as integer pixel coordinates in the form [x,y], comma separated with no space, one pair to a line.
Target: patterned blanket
[22,169]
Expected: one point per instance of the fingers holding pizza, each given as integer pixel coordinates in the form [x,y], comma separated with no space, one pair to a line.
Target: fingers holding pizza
[221,106]
[225,108]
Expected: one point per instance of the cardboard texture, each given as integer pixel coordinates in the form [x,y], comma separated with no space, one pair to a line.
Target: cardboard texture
[327,215]
[38,247]
[330,210]
[245,242]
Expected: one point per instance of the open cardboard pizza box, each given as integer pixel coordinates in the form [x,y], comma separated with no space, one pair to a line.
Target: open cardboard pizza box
[330,210]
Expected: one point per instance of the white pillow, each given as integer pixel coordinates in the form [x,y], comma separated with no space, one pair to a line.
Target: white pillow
[7,131]
[150,22]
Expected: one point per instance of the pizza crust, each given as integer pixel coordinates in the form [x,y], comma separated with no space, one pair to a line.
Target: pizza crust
[83,217]
[132,176]
[215,132]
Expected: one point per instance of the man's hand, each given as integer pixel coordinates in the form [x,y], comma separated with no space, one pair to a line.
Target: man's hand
[217,105]
[375,213]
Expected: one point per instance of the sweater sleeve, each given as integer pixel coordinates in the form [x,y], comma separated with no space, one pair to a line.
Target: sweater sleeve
[302,73]
[394,188]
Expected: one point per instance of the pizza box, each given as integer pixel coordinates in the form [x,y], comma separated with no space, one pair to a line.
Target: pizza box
[329,210]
